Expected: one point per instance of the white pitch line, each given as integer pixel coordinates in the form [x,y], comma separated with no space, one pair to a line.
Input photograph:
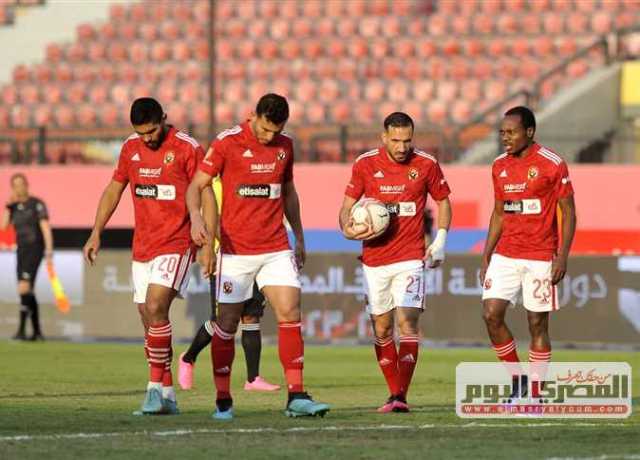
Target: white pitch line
[601,457]
[301,429]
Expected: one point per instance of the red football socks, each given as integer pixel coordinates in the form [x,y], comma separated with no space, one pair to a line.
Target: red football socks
[291,351]
[223,349]
[388,361]
[538,360]
[407,360]
[158,349]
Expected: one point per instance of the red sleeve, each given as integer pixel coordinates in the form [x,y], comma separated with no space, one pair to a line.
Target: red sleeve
[121,174]
[563,184]
[497,191]
[437,184]
[213,162]
[355,187]
[195,157]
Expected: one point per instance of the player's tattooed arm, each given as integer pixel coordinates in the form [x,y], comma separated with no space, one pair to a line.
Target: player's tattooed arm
[349,229]
[495,230]
[199,233]
[559,265]
[292,213]
[107,205]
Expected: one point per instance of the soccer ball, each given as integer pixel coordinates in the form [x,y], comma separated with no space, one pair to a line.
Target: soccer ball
[373,211]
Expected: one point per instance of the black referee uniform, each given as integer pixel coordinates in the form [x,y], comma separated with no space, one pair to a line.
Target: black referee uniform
[25,217]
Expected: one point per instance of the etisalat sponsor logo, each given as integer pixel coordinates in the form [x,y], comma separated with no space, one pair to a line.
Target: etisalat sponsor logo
[544,390]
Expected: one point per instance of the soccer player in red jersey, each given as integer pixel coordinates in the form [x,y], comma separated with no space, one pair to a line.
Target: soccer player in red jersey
[530,183]
[401,177]
[158,162]
[255,164]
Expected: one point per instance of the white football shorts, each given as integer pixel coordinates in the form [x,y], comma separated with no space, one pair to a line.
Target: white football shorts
[169,270]
[506,276]
[237,273]
[395,285]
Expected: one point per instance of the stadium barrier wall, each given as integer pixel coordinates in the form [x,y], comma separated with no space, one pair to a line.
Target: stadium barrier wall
[608,205]
[599,300]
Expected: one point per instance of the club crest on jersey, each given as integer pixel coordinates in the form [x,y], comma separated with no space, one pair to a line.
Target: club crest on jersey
[281,155]
[487,283]
[412,174]
[227,287]
[169,157]
[532,173]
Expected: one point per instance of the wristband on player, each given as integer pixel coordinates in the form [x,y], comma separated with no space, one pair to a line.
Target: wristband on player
[439,242]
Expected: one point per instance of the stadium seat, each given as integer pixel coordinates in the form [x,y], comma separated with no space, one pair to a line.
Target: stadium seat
[437,112]
[128,31]
[446,91]
[181,51]
[86,115]
[21,73]
[138,52]
[459,69]
[531,24]
[346,28]
[426,48]
[52,94]
[437,26]
[42,73]
[601,22]
[29,94]
[85,32]
[483,24]
[358,48]
[315,112]
[374,90]
[423,90]
[460,25]
[461,111]
[279,29]
[54,52]
[398,91]
[577,22]
[64,116]
[369,26]
[508,24]
[379,48]
[341,111]
[553,24]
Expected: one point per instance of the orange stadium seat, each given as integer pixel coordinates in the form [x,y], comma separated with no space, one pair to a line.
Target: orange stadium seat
[9,95]
[52,94]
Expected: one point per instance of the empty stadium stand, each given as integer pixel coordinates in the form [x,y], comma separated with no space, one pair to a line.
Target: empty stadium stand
[339,62]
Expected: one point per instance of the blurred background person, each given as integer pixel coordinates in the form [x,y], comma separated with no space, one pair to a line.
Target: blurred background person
[30,219]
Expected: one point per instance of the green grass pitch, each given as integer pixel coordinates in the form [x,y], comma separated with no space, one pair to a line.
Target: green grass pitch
[64,400]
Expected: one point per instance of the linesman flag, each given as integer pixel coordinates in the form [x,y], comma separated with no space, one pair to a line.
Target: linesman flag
[62,302]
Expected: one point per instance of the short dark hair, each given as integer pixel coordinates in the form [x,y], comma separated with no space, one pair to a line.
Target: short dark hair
[398,120]
[17,175]
[273,107]
[146,110]
[526,115]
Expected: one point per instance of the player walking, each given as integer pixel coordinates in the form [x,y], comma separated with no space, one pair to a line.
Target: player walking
[255,163]
[401,177]
[521,252]
[250,326]
[158,161]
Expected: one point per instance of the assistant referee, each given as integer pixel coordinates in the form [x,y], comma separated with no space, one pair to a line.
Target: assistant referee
[29,216]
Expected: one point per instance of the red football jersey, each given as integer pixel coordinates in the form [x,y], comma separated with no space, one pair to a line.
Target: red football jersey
[403,187]
[158,180]
[252,177]
[530,188]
